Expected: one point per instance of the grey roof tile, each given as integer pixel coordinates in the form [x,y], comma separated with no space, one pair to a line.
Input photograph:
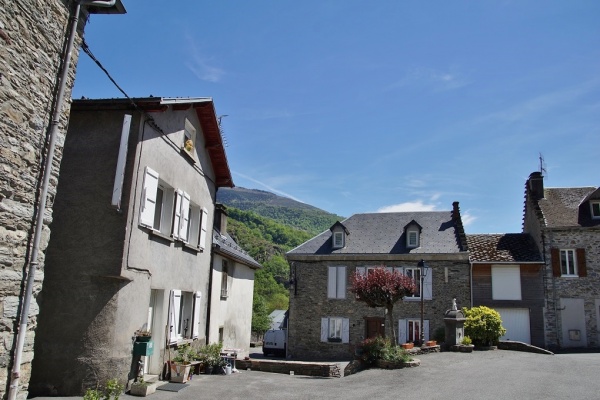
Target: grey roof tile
[562,207]
[226,245]
[508,247]
[383,233]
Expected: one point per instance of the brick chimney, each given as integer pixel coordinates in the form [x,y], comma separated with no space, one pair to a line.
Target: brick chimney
[221,218]
[535,186]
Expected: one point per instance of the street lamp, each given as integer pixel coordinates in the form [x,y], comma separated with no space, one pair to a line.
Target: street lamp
[424,269]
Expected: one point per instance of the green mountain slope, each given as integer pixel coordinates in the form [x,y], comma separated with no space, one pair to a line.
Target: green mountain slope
[281,209]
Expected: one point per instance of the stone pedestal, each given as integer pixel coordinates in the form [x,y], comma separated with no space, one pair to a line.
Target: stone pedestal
[454,321]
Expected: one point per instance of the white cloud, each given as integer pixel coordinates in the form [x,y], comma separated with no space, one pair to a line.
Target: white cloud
[467,219]
[437,80]
[267,187]
[408,206]
[201,65]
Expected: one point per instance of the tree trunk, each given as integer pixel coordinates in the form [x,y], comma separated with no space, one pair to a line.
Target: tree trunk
[390,313]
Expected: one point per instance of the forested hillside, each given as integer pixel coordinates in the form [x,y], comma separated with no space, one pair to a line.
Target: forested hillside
[267,227]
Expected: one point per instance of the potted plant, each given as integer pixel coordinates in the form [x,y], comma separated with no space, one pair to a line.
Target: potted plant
[210,356]
[180,365]
[408,345]
[143,335]
[142,388]
[466,345]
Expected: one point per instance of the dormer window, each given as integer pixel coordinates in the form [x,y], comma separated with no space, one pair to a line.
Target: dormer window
[338,235]
[412,232]
[595,206]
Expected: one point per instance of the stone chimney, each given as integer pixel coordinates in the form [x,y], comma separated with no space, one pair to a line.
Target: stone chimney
[221,218]
[535,186]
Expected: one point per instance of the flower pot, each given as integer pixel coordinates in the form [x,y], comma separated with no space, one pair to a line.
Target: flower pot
[408,346]
[142,389]
[180,372]
[430,343]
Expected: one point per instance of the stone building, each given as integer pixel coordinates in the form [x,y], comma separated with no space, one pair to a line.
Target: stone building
[131,242]
[565,223]
[325,319]
[34,37]
[507,271]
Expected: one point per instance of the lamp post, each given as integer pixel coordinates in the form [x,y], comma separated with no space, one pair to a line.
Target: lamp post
[423,267]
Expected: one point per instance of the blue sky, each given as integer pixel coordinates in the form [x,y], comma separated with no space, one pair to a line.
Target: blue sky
[364,106]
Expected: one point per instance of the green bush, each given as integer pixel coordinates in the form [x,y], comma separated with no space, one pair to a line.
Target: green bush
[466,341]
[379,348]
[483,325]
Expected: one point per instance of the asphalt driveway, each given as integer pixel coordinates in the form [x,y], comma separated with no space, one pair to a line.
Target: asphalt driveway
[499,374]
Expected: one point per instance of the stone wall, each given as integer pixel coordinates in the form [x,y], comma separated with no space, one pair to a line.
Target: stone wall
[327,370]
[309,302]
[587,288]
[32,37]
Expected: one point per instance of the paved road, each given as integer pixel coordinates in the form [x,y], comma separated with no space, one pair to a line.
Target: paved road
[499,374]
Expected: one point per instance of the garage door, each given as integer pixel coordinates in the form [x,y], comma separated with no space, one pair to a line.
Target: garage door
[516,322]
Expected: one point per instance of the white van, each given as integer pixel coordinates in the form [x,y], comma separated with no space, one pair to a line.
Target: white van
[275,342]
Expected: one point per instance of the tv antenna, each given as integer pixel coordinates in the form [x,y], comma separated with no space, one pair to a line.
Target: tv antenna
[543,170]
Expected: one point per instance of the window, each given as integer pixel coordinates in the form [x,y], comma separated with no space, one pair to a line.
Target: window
[595,205]
[335,330]
[156,203]
[336,282]
[506,282]
[409,330]
[338,240]
[568,265]
[412,238]
[414,274]
[195,234]
[189,137]
[224,278]
[184,315]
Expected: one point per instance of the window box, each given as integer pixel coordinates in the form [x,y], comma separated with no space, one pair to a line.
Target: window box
[334,340]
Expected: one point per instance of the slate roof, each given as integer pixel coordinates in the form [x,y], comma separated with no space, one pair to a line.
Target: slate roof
[507,247]
[383,233]
[566,207]
[225,245]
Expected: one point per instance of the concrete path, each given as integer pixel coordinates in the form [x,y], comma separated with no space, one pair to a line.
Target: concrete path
[498,374]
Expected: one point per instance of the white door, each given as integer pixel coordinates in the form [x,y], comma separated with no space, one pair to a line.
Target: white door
[572,320]
[516,322]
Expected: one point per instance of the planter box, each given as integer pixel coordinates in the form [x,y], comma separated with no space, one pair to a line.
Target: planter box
[180,373]
[142,390]
[408,346]
[430,343]
[466,348]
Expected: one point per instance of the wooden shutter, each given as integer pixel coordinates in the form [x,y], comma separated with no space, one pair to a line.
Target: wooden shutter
[345,330]
[426,329]
[331,282]
[401,331]
[581,266]
[555,259]
[196,315]
[174,310]
[203,223]
[148,205]
[177,214]
[185,217]
[428,285]
[341,283]
[324,329]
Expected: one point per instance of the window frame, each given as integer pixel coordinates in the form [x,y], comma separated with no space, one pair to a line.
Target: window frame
[595,209]
[224,279]
[565,269]
[338,240]
[412,232]
[417,280]
[331,325]
[189,133]
[506,282]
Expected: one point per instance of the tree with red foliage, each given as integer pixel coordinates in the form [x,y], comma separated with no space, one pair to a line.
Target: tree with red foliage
[382,287]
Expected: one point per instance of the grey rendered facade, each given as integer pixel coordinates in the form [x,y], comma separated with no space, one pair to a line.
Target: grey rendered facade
[565,223]
[326,321]
[140,259]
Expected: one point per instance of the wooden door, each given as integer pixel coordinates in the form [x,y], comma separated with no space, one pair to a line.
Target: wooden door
[375,327]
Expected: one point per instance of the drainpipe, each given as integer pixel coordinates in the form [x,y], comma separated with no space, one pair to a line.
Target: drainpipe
[33,263]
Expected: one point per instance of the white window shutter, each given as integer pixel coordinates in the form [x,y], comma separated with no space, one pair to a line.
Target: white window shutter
[203,224]
[401,331]
[428,285]
[341,282]
[331,282]
[148,205]
[426,329]
[361,271]
[324,329]
[196,321]
[174,302]
[177,214]
[399,270]
[185,217]
[345,330]
[389,269]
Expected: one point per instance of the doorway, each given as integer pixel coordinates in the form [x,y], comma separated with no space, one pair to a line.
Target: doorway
[375,326]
